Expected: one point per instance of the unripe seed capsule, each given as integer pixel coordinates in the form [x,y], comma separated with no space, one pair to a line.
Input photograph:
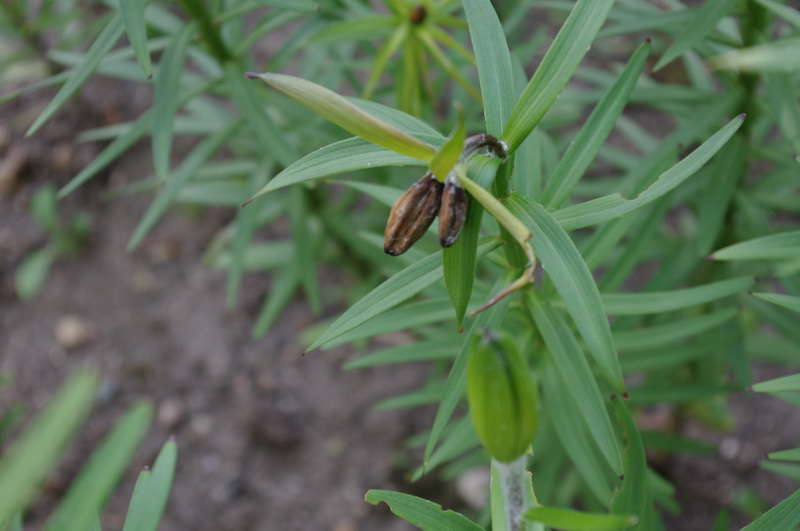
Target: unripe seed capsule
[412,214]
[503,401]
[452,212]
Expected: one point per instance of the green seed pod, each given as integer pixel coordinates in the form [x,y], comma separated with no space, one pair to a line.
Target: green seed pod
[412,214]
[503,401]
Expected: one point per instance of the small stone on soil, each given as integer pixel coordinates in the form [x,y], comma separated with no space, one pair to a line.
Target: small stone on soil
[73,332]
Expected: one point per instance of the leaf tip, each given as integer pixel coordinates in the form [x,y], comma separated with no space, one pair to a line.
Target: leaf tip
[252,75]
[741,116]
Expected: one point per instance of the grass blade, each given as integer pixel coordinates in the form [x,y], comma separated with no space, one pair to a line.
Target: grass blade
[555,70]
[151,492]
[594,132]
[666,301]
[89,492]
[105,41]
[785,515]
[787,301]
[493,60]
[784,383]
[133,17]
[34,454]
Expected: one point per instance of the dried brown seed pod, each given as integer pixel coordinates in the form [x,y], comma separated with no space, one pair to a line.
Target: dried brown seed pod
[452,212]
[412,214]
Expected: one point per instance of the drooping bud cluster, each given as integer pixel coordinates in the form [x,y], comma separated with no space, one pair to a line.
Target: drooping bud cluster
[414,211]
[503,402]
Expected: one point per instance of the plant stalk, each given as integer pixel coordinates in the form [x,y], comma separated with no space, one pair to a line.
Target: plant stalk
[512,495]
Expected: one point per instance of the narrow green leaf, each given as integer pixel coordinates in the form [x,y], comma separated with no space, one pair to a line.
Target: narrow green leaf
[784,383]
[348,116]
[568,359]
[658,335]
[784,245]
[356,28]
[613,206]
[785,515]
[135,27]
[449,153]
[776,56]
[584,148]
[89,492]
[574,282]
[31,274]
[198,156]
[673,443]
[633,496]
[789,470]
[429,43]
[559,63]
[786,455]
[107,38]
[578,521]
[151,492]
[422,513]
[494,63]
[643,303]
[344,156]
[35,453]
[787,301]
[393,291]
[165,98]
[703,22]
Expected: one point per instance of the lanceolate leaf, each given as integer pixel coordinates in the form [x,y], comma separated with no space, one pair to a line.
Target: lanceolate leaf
[494,63]
[614,205]
[133,16]
[392,292]
[348,116]
[664,301]
[558,65]
[151,492]
[787,301]
[340,157]
[449,153]
[583,149]
[785,515]
[422,513]
[574,282]
[784,383]
[27,463]
[784,245]
[633,497]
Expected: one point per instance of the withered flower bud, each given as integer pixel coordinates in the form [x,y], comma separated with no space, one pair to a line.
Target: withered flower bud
[412,214]
[452,212]
[418,14]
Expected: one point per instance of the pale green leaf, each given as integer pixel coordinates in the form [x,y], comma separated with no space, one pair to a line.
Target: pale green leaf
[151,492]
[784,245]
[133,16]
[785,515]
[784,383]
[789,302]
[704,19]
[421,513]
[35,453]
[570,520]
[643,303]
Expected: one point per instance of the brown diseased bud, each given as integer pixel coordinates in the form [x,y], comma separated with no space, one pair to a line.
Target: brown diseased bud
[412,214]
[452,212]
[418,14]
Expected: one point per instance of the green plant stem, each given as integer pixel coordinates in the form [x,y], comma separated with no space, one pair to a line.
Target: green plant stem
[512,495]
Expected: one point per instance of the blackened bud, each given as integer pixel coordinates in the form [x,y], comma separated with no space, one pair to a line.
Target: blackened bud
[412,214]
[452,212]
[418,14]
